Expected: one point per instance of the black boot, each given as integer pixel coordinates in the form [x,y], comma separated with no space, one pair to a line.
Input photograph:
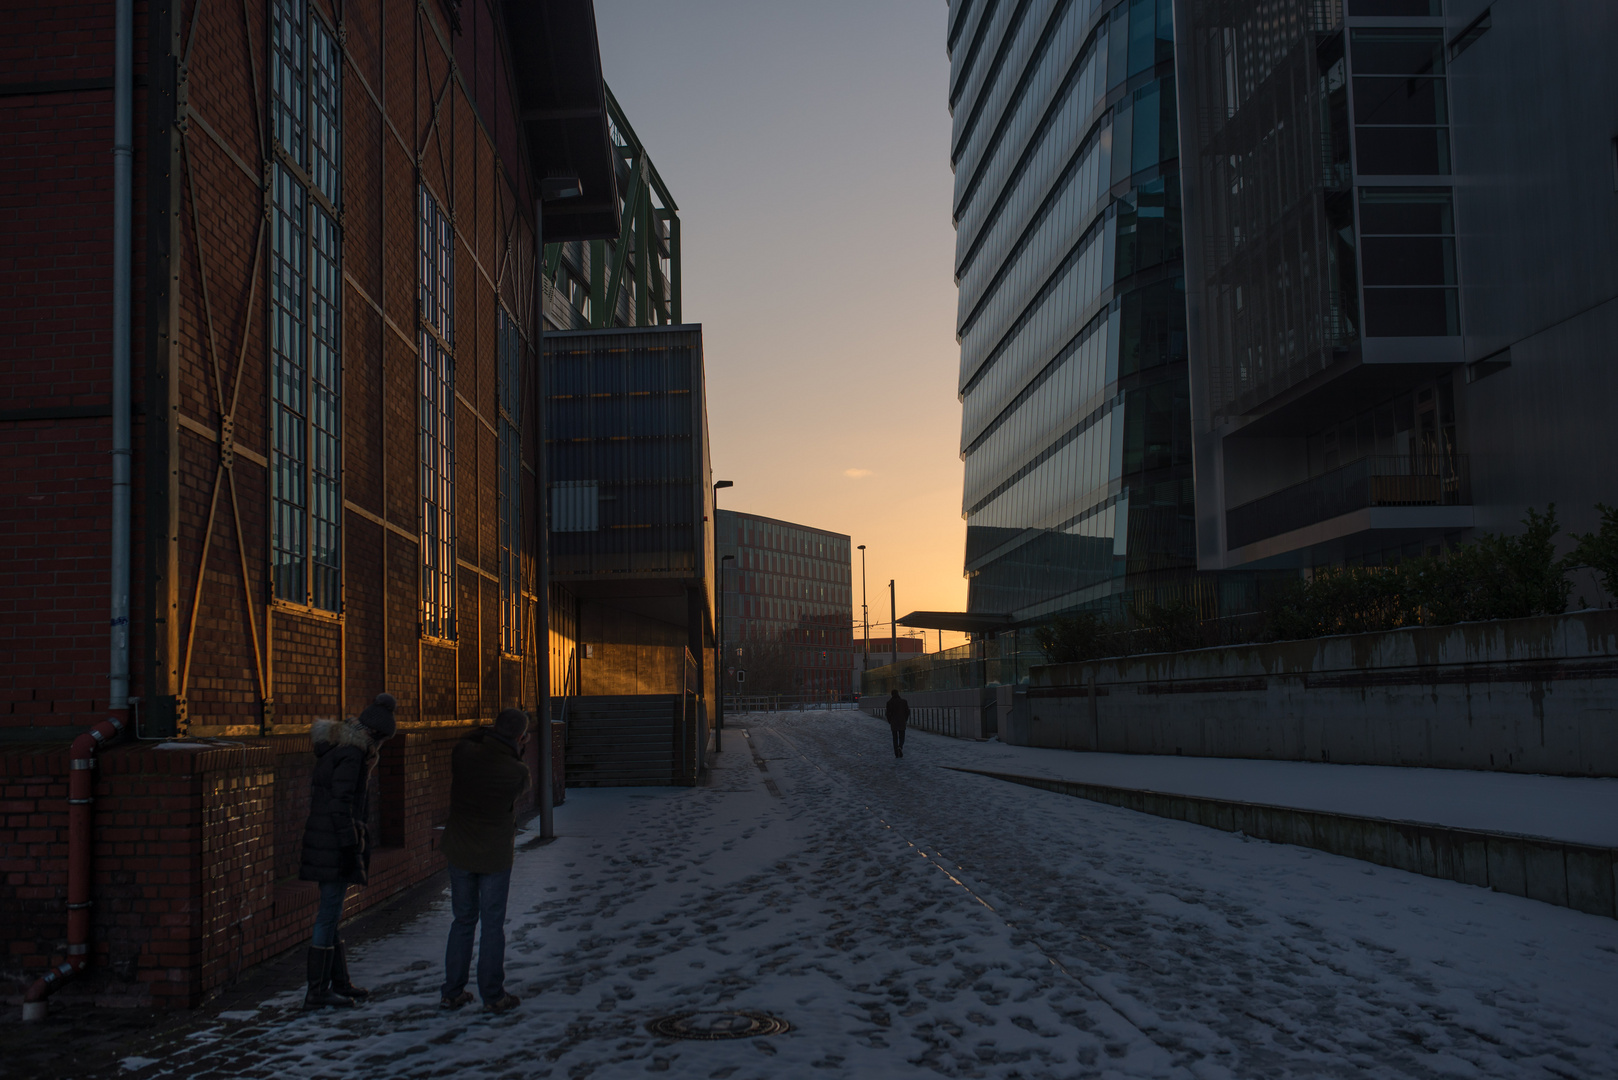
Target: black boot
[339,976]
[320,993]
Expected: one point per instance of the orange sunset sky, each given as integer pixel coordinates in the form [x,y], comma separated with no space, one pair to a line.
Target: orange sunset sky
[807,146]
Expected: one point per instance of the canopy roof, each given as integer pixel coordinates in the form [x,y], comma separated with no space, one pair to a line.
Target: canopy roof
[967,622]
[556,62]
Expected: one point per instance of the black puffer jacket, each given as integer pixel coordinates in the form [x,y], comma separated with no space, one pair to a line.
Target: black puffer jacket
[336,846]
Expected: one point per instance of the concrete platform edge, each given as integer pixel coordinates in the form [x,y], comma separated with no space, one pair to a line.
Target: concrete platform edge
[1578,876]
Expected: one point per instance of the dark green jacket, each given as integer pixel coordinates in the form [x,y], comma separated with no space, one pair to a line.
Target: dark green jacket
[486,779]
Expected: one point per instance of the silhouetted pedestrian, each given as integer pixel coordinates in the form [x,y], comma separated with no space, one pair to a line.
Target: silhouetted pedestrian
[486,778]
[336,843]
[898,714]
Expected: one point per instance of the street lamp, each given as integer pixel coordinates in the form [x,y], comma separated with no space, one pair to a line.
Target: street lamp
[865,619]
[718,671]
[551,189]
[719,595]
[893,625]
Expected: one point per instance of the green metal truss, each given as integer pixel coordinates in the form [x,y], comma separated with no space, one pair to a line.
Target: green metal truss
[634,280]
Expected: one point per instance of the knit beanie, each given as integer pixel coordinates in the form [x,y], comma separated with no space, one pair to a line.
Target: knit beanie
[378,717]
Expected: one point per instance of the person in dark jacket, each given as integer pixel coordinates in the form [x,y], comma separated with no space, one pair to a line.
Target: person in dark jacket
[898,714]
[487,776]
[336,845]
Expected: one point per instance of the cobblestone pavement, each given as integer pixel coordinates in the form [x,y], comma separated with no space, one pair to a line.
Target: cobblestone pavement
[911,920]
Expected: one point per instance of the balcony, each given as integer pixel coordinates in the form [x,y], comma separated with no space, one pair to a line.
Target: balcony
[1368,482]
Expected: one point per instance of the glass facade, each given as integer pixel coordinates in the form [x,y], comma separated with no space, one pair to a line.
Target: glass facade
[436,431]
[1325,277]
[305,317]
[1075,419]
[628,450]
[1273,170]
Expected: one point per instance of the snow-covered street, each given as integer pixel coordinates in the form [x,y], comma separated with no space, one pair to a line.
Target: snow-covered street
[907,919]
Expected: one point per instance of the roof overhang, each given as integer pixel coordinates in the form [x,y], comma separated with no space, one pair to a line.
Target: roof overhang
[562,106]
[966,622]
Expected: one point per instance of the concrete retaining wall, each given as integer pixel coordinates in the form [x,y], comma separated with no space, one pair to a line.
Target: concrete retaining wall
[957,713]
[1524,695]
[1568,875]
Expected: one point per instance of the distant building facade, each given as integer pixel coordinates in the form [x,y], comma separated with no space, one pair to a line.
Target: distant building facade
[788,605]
[1402,264]
[882,651]
[1076,424]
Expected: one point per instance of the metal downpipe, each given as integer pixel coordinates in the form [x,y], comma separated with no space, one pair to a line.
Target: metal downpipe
[80,798]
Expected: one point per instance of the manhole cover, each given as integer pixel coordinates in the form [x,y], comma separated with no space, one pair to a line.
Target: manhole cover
[718,1025]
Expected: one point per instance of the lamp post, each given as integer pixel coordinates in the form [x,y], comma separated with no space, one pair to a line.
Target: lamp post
[718,644]
[719,668]
[893,626]
[865,619]
[551,189]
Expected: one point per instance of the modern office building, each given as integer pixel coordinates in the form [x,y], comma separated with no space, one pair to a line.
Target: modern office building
[788,603]
[631,508]
[1402,266]
[631,523]
[1076,423]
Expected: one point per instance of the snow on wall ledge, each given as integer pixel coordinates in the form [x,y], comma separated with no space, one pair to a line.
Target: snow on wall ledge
[1521,695]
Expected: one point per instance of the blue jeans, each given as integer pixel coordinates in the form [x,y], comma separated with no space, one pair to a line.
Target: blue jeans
[473,897]
[329,914]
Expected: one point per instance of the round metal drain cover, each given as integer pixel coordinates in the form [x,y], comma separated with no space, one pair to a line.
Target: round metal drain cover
[718,1025]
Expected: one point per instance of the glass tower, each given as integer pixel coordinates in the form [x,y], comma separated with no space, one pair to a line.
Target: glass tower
[1076,427]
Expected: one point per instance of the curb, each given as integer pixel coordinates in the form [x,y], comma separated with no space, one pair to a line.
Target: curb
[1579,876]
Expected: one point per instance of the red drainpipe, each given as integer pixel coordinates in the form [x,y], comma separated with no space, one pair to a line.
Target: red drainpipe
[80,796]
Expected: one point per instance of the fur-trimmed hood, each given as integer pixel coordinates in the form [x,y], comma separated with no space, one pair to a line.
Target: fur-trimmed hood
[325,734]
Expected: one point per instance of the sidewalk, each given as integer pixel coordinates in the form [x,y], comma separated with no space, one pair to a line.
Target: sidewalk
[1576,810]
[909,919]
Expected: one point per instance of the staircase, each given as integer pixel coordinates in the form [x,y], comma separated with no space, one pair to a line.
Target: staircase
[623,741]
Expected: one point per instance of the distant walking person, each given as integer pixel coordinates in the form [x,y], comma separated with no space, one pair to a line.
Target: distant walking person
[486,778]
[336,845]
[898,713]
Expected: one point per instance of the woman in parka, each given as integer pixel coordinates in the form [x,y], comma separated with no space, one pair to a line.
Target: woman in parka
[336,846]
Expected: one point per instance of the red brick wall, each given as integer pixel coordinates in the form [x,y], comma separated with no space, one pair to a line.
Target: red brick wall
[55,243]
[196,857]
[181,879]
[235,653]
[196,878]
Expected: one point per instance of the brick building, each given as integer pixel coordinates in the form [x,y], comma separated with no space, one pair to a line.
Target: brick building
[331,345]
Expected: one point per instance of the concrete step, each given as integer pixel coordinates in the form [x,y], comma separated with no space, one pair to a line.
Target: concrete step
[1581,876]
[662,723]
[621,741]
[578,739]
[604,776]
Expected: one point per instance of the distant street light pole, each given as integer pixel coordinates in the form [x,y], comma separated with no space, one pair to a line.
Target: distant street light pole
[718,644]
[893,615]
[865,618]
[719,635]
